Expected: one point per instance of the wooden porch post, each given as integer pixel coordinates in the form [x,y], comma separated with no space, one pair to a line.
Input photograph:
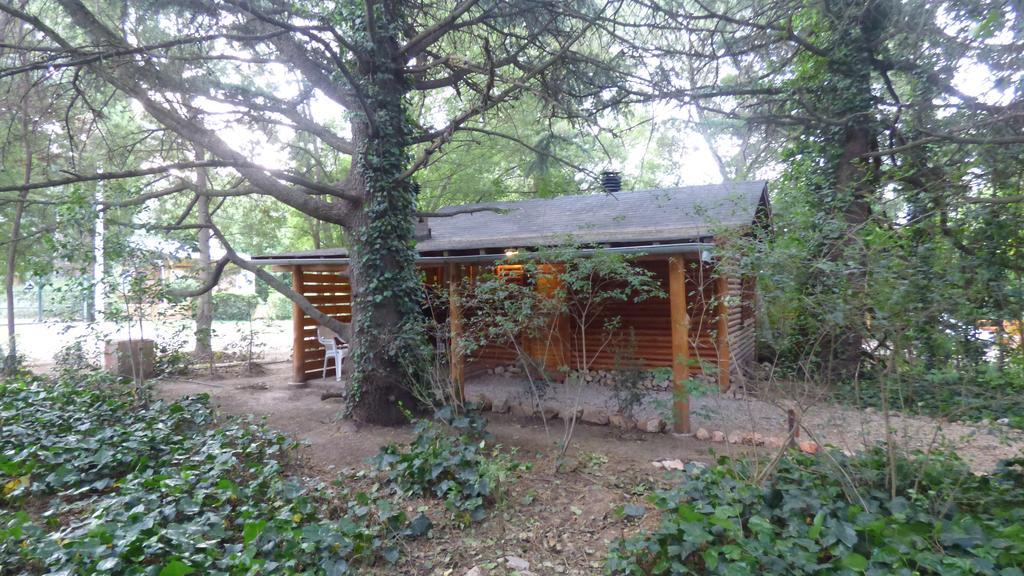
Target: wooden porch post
[723,333]
[298,343]
[455,327]
[680,343]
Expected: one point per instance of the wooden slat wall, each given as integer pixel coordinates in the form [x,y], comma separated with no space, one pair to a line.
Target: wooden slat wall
[489,355]
[742,334]
[651,322]
[329,290]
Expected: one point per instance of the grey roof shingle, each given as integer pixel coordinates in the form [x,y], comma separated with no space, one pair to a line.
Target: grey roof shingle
[681,213]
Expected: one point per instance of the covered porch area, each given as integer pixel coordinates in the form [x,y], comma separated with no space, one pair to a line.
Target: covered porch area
[703,325]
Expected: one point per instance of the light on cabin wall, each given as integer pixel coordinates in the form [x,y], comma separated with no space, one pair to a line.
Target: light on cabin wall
[705,256]
[511,252]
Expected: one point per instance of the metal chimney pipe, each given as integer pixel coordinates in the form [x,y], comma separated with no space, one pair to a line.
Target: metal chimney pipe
[611,181]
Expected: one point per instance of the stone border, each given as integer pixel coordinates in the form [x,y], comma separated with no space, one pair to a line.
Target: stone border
[601,417]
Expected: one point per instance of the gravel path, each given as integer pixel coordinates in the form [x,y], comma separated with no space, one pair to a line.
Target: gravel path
[844,427]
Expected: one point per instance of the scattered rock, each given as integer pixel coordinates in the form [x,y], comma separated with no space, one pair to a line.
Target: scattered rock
[655,425]
[566,413]
[773,442]
[809,447]
[595,416]
[499,370]
[622,421]
[735,437]
[718,436]
[477,571]
[517,563]
[522,410]
[669,464]
[702,434]
[551,411]
[1003,421]
[482,400]
[500,405]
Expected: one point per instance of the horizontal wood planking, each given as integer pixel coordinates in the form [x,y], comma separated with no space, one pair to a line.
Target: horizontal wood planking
[331,293]
[742,333]
[650,323]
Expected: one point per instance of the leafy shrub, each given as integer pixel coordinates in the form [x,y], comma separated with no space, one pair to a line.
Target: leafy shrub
[72,359]
[807,520]
[449,459]
[279,307]
[230,307]
[91,483]
[170,360]
[960,395]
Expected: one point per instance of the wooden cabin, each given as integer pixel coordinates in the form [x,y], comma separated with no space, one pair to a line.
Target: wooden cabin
[706,320]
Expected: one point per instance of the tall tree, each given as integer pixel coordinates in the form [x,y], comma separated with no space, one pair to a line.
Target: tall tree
[868,95]
[342,73]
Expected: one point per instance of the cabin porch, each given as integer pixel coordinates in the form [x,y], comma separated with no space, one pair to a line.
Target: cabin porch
[713,337]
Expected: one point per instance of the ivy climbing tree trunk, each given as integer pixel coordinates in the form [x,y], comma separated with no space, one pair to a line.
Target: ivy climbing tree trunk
[370,59]
[389,356]
[857,26]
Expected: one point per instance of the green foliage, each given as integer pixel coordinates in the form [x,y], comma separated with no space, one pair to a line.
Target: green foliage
[450,459]
[810,518]
[968,394]
[171,360]
[93,484]
[73,359]
[233,307]
[629,392]
[587,284]
[279,306]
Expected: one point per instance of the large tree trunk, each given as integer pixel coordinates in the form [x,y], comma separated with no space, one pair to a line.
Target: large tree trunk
[11,361]
[389,356]
[855,186]
[855,176]
[204,303]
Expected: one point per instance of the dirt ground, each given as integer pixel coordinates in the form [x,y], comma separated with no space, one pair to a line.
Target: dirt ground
[560,522]
[848,428]
[297,410]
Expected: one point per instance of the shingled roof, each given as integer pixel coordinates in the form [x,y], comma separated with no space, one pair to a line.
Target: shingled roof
[656,215]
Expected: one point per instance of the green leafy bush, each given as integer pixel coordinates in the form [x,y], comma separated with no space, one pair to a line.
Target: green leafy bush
[965,394]
[279,307]
[92,483]
[807,519]
[450,459]
[230,307]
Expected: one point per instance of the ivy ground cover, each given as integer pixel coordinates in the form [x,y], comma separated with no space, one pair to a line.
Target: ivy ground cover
[93,481]
[912,515]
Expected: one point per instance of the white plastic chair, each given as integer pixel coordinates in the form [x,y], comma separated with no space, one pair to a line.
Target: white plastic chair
[334,347]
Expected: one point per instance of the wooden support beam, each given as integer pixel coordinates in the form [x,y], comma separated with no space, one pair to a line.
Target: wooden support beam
[724,360]
[457,362]
[298,347]
[680,343]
